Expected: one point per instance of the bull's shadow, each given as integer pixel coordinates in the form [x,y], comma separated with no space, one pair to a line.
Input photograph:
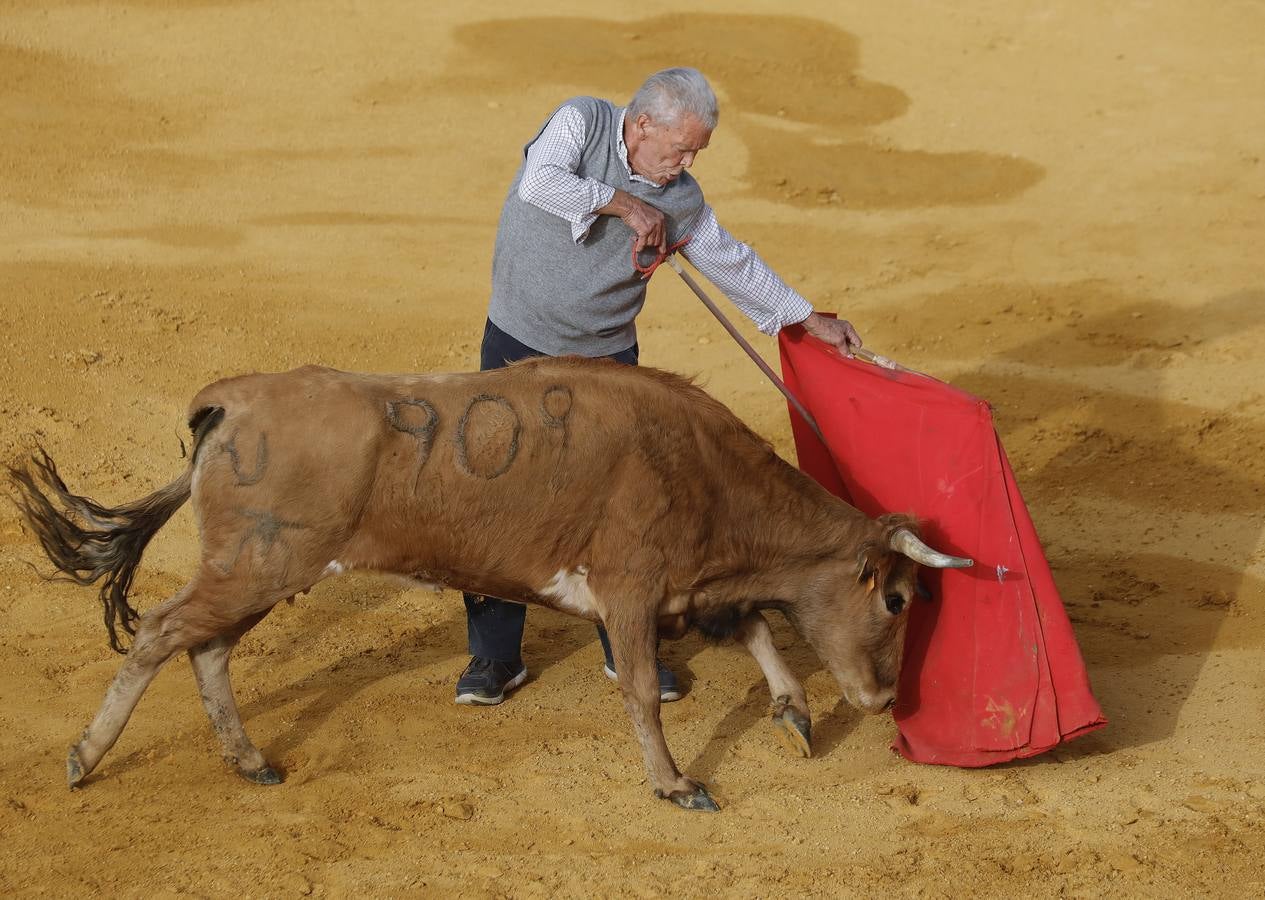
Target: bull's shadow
[317,694]
[549,639]
[749,719]
[1149,507]
[343,606]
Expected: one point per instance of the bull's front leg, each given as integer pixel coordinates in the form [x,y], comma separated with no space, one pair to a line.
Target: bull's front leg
[632,636]
[790,704]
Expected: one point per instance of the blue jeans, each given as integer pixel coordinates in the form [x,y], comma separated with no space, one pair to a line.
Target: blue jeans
[494,628]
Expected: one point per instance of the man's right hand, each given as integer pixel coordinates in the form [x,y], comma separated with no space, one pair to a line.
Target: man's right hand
[839,333]
[645,221]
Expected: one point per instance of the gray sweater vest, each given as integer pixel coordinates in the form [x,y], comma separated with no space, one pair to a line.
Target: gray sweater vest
[559,297]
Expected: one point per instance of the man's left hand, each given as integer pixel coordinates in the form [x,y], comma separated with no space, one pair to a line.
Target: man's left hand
[839,333]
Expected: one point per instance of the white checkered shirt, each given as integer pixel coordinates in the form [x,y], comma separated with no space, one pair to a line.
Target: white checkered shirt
[549,182]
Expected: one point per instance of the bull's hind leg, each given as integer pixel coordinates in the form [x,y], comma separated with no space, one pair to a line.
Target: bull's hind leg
[152,646]
[633,637]
[790,704]
[210,668]
[185,620]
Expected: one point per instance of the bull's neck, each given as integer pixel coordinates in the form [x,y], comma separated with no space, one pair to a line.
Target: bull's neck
[790,528]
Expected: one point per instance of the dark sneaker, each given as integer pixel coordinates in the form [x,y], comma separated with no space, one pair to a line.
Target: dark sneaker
[668,689]
[486,681]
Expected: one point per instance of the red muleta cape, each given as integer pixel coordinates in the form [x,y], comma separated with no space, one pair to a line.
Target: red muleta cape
[992,671]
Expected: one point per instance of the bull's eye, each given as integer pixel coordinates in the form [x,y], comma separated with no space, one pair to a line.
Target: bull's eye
[895,603]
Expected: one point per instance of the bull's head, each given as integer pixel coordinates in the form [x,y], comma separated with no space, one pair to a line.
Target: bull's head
[857,626]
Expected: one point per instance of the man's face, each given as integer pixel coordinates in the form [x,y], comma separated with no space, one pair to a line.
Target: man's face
[660,151]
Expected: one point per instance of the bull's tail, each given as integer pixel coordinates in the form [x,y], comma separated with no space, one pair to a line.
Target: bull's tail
[87,541]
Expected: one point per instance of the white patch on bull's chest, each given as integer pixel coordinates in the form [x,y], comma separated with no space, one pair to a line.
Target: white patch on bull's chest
[571,590]
[334,567]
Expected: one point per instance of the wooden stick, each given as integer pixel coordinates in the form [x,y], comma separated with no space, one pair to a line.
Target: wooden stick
[742,342]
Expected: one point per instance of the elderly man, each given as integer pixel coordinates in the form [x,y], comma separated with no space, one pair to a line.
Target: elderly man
[595,181]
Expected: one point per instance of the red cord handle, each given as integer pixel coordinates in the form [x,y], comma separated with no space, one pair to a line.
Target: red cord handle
[660,256]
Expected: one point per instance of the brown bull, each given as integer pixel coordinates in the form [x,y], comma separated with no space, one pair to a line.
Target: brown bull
[623,495]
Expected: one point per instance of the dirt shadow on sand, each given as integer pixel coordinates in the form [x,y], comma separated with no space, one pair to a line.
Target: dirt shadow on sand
[790,87]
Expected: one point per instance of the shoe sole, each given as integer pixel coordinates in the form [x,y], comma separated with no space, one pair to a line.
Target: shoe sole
[480,700]
[664,696]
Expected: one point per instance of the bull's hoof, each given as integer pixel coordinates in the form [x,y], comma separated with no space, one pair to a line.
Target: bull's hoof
[697,799]
[796,729]
[265,775]
[74,769]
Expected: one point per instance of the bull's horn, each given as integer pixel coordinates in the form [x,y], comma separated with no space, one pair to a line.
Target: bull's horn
[904,541]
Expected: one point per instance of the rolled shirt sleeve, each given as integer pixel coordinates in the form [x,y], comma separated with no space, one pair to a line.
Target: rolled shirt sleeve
[549,181]
[737,269]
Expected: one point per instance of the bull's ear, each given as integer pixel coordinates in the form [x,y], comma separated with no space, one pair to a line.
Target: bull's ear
[866,569]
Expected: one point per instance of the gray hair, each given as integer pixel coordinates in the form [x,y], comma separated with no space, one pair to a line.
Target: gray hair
[669,95]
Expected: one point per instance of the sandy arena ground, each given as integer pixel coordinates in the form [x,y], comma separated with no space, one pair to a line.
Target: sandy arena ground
[1057,206]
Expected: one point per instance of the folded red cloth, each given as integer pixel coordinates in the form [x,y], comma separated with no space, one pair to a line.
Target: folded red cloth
[992,671]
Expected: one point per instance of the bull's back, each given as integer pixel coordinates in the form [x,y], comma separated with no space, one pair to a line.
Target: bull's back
[497,470]
[416,471]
